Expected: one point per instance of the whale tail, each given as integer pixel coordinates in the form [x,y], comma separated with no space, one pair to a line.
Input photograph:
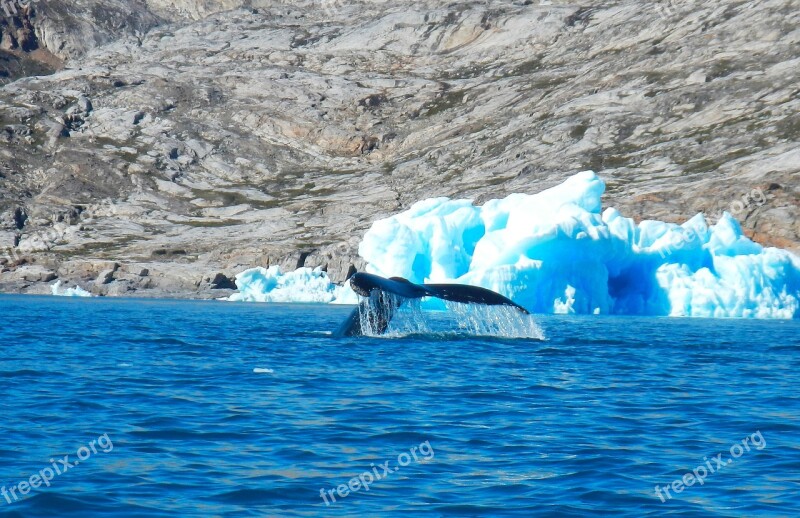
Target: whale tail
[382,298]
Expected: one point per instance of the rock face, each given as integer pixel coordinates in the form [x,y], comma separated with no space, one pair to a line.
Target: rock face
[37,36]
[191,139]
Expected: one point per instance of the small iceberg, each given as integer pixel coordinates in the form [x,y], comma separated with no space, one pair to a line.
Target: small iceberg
[272,285]
[77,291]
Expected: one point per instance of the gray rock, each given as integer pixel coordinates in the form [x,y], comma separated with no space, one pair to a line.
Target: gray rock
[105,277]
[278,135]
[33,273]
[84,104]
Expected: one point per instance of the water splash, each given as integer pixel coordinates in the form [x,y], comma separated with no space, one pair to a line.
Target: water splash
[406,317]
[376,312]
[504,321]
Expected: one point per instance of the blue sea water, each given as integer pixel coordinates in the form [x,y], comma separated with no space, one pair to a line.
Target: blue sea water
[222,409]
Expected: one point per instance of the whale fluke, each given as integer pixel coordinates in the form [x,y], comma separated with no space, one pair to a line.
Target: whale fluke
[382,298]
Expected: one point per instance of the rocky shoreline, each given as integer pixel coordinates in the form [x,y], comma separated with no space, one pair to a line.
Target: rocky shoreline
[111,279]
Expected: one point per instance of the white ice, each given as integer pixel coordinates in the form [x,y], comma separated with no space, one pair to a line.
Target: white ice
[272,285]
[77,291]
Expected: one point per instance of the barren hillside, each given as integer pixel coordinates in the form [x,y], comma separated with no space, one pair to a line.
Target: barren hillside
[179,142]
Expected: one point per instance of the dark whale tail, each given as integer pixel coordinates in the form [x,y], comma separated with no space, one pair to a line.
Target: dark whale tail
[384,296]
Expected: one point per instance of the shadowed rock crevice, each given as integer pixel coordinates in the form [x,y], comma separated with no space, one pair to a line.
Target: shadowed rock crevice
[20,52]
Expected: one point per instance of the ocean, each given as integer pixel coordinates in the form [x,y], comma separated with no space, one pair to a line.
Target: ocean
[126,407]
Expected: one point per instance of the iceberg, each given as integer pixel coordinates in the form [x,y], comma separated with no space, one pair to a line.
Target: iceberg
[272,285]
[77,291]
[558,251]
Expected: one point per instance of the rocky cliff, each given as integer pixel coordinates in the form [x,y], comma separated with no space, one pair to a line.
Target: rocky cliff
[181,141]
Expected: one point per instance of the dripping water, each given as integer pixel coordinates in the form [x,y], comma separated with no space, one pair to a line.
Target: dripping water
[407,317]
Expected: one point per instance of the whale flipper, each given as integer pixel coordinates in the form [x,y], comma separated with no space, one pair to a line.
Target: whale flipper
[382,298]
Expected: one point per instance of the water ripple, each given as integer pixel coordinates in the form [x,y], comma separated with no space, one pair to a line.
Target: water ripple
[252,410]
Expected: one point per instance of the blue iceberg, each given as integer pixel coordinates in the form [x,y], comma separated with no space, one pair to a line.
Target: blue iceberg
[302,285]
[558,252]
